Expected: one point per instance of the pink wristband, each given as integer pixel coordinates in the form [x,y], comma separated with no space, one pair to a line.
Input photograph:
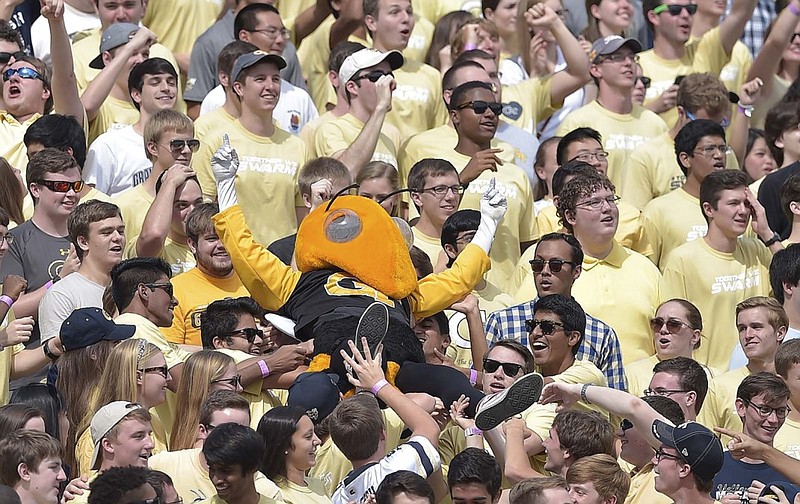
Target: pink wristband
[793,9]
[264,368]
[7,300]
[472,47]
[473,377]
[48,285]
[378,386]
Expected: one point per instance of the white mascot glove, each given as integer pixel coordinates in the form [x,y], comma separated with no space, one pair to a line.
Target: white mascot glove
[224,164]
[493,208]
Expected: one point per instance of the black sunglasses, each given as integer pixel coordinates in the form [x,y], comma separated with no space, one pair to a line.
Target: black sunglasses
[177,145]
[5,57]
[373,76]
[62,186]
[166,287]
[548,326]
[248,333]
[555,265]
[625,424]
[645,81]
[509,369]
[480,106]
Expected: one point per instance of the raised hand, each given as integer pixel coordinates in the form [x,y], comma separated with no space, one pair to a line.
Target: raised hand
[493,204]
[225,164]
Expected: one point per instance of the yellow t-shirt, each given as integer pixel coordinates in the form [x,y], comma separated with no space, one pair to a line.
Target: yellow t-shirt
[715,281]
[178,255]
[266,183]
[490,299]
[638,375]
[583,371]
[433,10]
[431,246]
[719,408]
[779,88]
[670,221]
[533,95]
[734,74]
[417,103]
[337,134]
[262,499]
[194,291]
[643,488]
[652,171]
[621,133]
[178,23]
[623,290]
[309,132]
[419,41]
[112,111]
[704,54]
[260,400]
[191,477]
[133,205]
[6,364]
[212,124]
[12,133]
[313,493]
[290,9]
[787,439]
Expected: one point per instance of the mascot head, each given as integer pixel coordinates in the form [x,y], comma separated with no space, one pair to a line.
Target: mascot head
[356,235]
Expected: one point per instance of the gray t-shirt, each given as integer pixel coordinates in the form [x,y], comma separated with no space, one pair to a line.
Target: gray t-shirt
[203,60]
[73,292]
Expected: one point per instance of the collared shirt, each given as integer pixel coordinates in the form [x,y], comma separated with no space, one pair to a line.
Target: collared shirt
[599,345]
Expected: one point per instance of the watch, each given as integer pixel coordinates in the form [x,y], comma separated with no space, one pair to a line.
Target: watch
[49,353]
[775,239]
[747,110]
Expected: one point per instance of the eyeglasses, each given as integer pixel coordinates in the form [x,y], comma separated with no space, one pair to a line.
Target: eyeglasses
[5,57]
[162,370]
[166,287]
[23,73]
[8,238]
[621,57]
[548,326]
[660,391]
[645,81]
[676,9]
[509,369]
[597,203]
[177,145]
[62,186]
[673,325]
[724,123]
[661,454]
[709,150]
[273,32]
[586,157]
[234,382]
[555,265]
[373,76]
[480,106]
[625,424]
[440,191]
[765,411]
[248,333]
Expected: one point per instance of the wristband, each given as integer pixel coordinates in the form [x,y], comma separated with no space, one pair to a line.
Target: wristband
[793,9]
[583,394]
[264,368]
[473,376]
[49,353]
[472,431]
[378,386]
[747,110]
[7,300]
[48,285]
[472,47]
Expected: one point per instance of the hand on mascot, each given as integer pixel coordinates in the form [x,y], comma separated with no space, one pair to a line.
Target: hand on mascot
[363,371]
[493,208]
[224,164]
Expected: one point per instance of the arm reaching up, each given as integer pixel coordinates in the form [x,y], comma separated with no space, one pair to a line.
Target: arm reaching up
[224,164]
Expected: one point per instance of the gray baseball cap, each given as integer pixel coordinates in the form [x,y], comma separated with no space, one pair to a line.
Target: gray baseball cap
[250,59]
[611,44]
[118,34]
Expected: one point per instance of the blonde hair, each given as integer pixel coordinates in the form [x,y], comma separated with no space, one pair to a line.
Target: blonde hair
[380,170]
[200,369]
[776,315]
[603,471]
[163,121]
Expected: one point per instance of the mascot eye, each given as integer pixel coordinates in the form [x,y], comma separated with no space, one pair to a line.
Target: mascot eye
[342,226]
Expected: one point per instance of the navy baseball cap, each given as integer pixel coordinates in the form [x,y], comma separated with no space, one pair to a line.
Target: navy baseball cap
[317,393]
[87,326]
[696,444]
[249,59]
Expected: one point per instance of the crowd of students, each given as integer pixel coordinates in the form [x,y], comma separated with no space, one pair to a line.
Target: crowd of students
[351,251]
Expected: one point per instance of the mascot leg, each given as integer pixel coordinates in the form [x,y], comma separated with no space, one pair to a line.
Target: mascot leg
[444,382]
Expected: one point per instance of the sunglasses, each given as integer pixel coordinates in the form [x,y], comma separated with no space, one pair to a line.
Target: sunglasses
[673,325]
[162,370]
[555,265]
[480,106]
[166,287]
[248,333]
[509,369]
[625,424]
[62,186]
[548,326]
[178,145]
[5,57]
[233,382]
[676,9]
[373,76]
[645,81]
[23,72]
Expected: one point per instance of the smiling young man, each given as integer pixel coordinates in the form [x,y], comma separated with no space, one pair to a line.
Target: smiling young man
[724,267]
[30,463]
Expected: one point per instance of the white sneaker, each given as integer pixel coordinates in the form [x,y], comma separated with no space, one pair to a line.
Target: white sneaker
[497,408]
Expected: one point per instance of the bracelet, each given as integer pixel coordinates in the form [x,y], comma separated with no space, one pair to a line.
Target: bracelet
[793,9]
[48,285]
[747,110]
[583,393]
[7,300]
[48,353]
[472,47]
[472,431]
[473,376]
[378,386]
[264,368]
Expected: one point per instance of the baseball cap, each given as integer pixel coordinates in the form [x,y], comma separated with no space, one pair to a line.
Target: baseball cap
[104,420]
[366,58]
[116,35]
[697,445]
[610,44]
[87,326]
[317,393]
[283,324]
[250,59]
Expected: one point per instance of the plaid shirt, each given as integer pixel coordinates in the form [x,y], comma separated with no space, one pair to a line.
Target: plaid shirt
[756,28]
[599,345]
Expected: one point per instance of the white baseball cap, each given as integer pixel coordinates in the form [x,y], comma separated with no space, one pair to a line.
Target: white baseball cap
[104,420]
[366,58]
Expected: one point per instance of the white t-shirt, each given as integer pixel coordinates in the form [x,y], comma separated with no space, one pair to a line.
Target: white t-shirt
[295,107]
[117,161]
[75,21]
[739,359]
[65,296]
[417,455]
